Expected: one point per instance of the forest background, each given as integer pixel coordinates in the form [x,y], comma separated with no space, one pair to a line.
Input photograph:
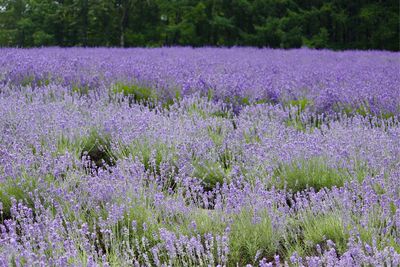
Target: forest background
[334,24]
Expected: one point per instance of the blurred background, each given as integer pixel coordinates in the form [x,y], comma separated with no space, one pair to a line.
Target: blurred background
[334,24]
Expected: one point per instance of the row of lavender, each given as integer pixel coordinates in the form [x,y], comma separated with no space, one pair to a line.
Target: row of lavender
[329,80]
[193,185]
[102,179]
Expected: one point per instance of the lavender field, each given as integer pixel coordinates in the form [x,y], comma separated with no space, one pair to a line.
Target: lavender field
[199,157]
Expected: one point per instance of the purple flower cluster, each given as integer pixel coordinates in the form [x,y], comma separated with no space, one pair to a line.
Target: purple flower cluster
[330,80]
[96,179]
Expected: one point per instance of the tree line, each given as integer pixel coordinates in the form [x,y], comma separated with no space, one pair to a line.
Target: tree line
[335,24]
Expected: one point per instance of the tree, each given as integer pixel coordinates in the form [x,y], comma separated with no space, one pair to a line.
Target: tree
[337,24]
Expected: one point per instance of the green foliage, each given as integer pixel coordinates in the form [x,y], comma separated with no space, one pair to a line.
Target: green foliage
[195,109]
[17,189]
[292,38]
[225,114]
[169,101]
[198,110]
[302,174]
[318,229]
[319,40]
[142,215]
[310,230]
[7,37]
[80,90]
[251,136]
[217,134]
[378,227]
[211,173]
[41,38]
[207,221]
[269,33]
[65,144]
[238,101]
[298,118]
[137,94]
[272,23]
[28,80]
[250,236]
[306,230]
[226,158]
[157,158]
[301,104]
[382,119]
[97,146]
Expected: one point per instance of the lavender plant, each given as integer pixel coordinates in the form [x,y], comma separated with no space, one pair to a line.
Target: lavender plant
[199,157]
